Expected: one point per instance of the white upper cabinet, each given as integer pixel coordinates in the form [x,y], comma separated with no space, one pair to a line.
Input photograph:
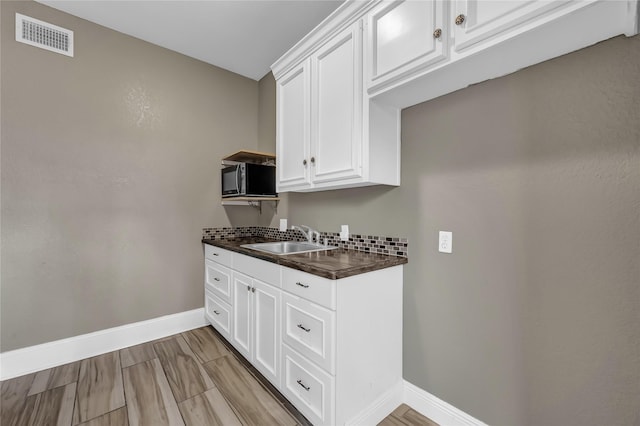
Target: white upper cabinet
[340,92]
[402,36]
[293,132]
[328,136]
[477,20]
[336,108]
[478,40]
[319,135]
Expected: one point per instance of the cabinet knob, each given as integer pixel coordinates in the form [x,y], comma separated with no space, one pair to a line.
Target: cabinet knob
[253,289]
[248,288]
[304,162]
[460,19]
[437,33]
[313,160]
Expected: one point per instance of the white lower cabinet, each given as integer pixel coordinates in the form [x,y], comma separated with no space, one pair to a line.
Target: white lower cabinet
[309,388]
[342,342]
[242,311]
[245,309]
[217,279]
[310,330]
[218,303]
[218,313]
[332,347]
[256,317]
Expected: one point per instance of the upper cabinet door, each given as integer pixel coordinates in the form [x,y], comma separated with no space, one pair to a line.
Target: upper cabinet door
[293,100]
[477,20]
[336,109]
[403,36]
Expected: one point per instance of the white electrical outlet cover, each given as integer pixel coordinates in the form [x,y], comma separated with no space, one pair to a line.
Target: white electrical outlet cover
[344,232]
[445,242]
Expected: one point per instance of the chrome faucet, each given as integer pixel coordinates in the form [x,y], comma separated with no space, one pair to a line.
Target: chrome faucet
[309,234]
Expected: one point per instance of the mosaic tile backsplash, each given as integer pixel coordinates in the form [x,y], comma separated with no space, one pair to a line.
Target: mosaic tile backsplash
[373,244]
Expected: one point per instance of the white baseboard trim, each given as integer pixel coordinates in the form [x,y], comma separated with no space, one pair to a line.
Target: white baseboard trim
[420,400]
[436,409]
[380,408]
[47,355]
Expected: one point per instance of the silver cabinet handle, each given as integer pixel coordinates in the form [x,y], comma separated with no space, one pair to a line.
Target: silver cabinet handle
[216,312]
[307,388]
[303,327]
[216,279]
[302,285]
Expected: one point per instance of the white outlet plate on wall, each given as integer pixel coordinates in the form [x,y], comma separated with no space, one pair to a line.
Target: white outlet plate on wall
[445,242]
[344,233]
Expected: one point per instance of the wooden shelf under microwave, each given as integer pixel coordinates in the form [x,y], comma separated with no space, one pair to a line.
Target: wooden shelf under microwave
[246,156]
[250,201]
[229,200]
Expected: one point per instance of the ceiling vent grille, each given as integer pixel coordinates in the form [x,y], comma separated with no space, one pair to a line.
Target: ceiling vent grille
[44,35]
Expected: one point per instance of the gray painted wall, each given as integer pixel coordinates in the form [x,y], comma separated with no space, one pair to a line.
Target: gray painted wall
[535,317]
[110,170]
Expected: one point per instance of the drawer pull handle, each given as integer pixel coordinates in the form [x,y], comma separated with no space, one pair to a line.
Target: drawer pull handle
[216,279]
[303,327]
[216,312]
[302,285]
[248,288]
[216,254]
[307,388]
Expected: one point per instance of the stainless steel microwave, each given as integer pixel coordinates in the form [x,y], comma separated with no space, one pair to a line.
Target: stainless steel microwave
[248,180]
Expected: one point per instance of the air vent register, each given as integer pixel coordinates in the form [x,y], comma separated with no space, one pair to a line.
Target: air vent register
[44,35]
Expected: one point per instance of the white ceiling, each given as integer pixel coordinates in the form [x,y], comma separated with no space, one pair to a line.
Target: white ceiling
[242,36]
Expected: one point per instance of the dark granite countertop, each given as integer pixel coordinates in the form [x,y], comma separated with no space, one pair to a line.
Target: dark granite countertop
[332,264]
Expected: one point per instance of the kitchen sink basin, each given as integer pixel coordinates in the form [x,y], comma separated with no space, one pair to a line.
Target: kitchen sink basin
[288,247]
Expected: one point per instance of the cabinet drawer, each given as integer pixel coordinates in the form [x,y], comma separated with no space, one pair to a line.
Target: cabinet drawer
[308,388]
[311,287]
[217,279]
[218,313]
[309,329]
[218,255]
[264,271]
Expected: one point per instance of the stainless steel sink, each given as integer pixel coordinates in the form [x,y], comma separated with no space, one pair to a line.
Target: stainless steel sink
[288,247]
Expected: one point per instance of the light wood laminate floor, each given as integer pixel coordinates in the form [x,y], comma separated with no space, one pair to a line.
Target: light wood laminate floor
[192,378]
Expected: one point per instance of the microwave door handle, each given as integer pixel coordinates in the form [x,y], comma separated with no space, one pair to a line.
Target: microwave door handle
[238,179]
